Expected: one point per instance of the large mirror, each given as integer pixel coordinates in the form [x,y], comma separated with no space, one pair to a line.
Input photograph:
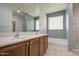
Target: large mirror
[14,18]
[22,21]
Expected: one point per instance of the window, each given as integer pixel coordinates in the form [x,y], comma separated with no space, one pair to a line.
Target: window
[55,23]
[37,25]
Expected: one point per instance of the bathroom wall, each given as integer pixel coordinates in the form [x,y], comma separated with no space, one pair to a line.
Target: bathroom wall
[5,18]
[33,9]
[48,8]
[70,34]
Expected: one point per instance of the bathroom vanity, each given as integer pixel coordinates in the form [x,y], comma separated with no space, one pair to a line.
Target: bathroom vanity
[27,45]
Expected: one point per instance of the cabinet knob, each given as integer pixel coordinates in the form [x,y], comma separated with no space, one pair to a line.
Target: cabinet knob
[30,42]
[27,43]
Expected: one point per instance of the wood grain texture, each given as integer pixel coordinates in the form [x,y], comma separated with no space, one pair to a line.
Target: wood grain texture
[34,47]
[15,50]
[42,48]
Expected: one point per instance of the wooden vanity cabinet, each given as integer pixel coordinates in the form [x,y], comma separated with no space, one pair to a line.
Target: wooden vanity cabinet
[27,48]
[31,47]
[34,47]
[37,47]
[42,46]
[46,42]
[14,50]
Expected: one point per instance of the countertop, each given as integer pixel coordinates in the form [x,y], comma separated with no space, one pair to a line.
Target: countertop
[21,38]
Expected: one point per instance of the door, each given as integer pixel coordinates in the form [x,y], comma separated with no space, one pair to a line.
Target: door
[37,51]
[26,48]
[34,47]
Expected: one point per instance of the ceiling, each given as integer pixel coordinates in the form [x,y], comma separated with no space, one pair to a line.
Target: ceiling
[35,9]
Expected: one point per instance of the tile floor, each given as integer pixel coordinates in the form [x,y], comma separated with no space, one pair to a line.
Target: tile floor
[58,47]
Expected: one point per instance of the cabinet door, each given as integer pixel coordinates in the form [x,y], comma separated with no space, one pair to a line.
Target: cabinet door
[34,47]
[26,48]
[37,51]
[15,50]
[46,42]
[42,46]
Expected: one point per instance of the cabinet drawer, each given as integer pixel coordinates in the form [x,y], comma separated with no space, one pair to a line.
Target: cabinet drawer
[12,46]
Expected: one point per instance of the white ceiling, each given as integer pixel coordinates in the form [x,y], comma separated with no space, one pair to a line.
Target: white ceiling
[35,9]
